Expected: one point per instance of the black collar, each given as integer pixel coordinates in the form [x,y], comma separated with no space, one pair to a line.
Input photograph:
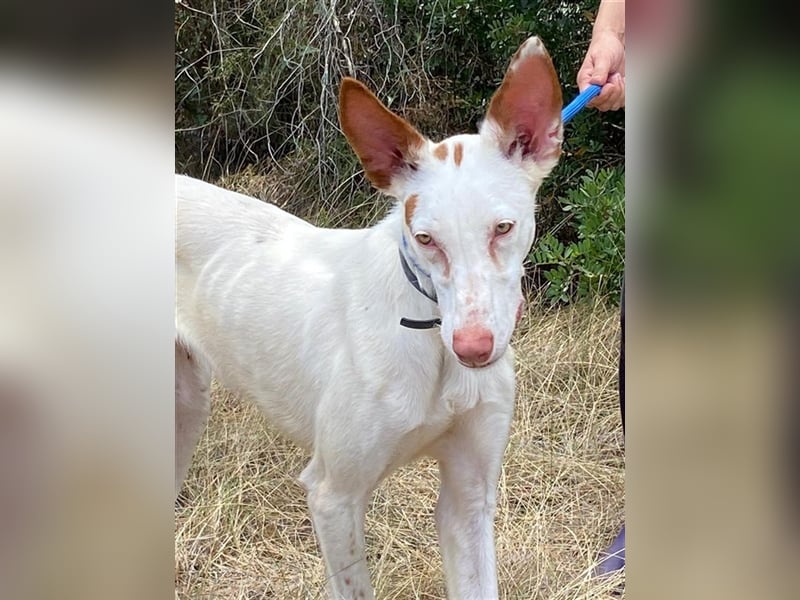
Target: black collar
[414,280]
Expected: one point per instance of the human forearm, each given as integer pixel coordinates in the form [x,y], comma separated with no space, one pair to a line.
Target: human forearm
[610,17]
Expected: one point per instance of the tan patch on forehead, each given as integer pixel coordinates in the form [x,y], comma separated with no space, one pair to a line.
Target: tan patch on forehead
[440,151]
[410,207]
[458,153]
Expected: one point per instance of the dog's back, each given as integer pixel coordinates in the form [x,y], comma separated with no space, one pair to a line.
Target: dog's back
[236,266]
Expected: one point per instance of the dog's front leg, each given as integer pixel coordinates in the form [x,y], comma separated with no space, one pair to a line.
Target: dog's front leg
[469,458]
[337,513]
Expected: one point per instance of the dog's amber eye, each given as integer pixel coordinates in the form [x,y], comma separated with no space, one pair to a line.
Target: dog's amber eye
[423,238]
[503,227]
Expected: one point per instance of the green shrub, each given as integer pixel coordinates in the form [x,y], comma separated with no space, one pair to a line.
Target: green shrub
[591,264]
[257,81]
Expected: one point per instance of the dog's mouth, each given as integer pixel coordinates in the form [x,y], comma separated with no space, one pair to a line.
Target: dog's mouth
[478,365]
[474,365]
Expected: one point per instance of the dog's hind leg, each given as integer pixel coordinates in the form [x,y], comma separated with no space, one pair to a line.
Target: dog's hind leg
[192,407]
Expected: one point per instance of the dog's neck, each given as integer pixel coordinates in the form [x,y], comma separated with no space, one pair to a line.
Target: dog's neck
[418,301]
[417,276]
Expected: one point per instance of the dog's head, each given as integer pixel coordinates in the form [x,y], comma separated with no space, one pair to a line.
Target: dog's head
[468,201]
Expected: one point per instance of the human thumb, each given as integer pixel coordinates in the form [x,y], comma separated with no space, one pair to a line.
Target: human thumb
[600,70]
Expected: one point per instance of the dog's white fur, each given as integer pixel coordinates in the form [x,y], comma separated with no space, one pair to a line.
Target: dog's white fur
[305,321]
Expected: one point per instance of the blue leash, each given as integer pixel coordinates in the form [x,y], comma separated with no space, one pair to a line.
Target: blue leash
[581,100]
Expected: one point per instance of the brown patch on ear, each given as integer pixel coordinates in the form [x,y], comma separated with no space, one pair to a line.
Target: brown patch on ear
[528,103]
[440,151]
[385,144]
[458,153]
[410,207]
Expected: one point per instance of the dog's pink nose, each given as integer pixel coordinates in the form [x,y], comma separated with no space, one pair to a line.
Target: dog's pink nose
[473,345]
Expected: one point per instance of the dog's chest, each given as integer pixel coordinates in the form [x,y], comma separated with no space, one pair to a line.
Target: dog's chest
[441,404]
[461,390]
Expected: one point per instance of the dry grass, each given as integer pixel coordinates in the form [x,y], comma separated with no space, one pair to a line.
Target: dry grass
[243,532]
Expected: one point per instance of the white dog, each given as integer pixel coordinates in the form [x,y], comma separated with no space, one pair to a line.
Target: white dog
[306,322]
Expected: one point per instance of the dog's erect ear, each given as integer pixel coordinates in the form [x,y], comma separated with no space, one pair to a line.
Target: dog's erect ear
[524,116]
[387,146]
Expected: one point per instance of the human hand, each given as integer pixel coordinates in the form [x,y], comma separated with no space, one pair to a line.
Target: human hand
[605,65]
